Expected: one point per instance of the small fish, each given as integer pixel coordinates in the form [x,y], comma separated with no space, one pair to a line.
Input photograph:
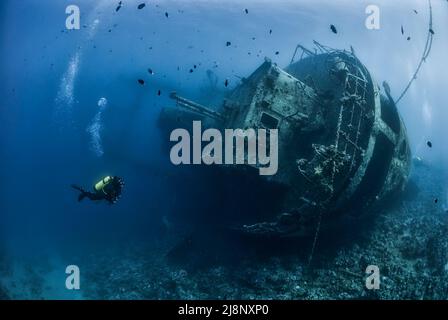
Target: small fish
[247,11]
[436,200]
[194,66]
[141,6]
[432,31]
[159,93]
[276,52]
[228,43]
[402,30]
[119,6]
[166,14]
[429,144]
[333,28]
[150,71]
[191,70]
[408,38]
[270,31]
[415,11]
[226,83]
[141,81]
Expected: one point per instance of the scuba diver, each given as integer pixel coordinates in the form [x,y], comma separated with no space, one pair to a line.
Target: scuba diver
[109,188]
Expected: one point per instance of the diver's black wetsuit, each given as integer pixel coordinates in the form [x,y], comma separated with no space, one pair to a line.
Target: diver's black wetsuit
[94,196]
[109,188]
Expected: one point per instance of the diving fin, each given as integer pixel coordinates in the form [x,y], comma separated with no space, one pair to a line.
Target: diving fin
[82,194]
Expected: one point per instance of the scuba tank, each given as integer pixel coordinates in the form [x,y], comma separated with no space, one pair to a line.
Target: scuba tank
[101,186]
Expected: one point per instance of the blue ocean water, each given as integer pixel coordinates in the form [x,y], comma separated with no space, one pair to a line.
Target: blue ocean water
[72,110]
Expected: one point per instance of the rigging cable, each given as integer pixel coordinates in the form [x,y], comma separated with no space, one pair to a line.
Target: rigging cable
[425,54]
